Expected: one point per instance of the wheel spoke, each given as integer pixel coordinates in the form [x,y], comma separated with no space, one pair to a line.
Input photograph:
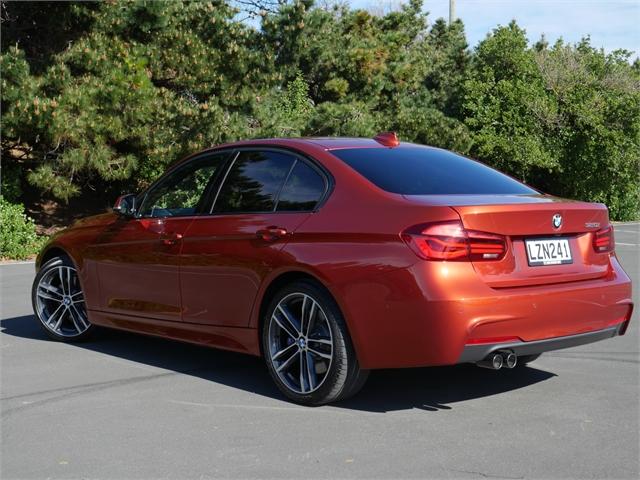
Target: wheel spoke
[75,322]
[56,327]
[280,324]
[77,297]
[320,340]
[291,320]
[283,351]
[64,291]
[303,371]
[286,363]
[311,371]
[302,316]
[79,317]
[312,312]
[46,296]
[50,289]
[319,354]
[52,317]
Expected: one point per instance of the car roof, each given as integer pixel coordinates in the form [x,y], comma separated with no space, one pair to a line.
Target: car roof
[333,143]
[327,143]
[299,143]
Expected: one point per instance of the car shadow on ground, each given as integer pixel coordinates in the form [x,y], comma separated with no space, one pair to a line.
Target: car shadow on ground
[429,389]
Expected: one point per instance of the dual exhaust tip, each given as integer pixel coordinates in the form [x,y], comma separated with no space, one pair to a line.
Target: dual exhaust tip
[499,359]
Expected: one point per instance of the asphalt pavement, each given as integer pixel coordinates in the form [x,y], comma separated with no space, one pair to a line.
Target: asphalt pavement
[129,406]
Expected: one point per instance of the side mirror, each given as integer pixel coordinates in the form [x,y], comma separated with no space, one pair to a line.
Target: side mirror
[125,205]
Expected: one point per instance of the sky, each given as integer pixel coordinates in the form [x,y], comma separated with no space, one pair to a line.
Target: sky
[612,24]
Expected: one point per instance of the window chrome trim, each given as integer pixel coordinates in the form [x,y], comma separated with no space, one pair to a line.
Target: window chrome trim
[286,179]
[224,179]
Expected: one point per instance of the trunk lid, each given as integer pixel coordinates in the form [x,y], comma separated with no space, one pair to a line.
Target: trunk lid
[530,217]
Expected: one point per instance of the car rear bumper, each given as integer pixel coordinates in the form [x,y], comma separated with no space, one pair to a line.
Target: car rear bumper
[476,353]
[442,314]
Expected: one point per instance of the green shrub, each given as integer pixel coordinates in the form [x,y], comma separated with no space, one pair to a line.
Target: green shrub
[18,237]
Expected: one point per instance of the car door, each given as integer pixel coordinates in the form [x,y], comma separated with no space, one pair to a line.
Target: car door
[137,258]
[265,196]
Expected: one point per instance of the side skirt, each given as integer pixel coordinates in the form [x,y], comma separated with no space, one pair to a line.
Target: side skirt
[243,340]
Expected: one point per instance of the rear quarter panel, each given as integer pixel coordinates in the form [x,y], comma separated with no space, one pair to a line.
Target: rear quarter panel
[353,246]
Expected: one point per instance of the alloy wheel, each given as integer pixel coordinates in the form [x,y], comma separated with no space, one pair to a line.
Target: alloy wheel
[60,302]
[300,343]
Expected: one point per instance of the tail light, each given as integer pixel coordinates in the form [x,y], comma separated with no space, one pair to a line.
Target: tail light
[603,240]
[452,242]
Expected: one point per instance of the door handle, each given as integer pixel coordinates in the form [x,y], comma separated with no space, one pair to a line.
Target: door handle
[271,234]
[172,239]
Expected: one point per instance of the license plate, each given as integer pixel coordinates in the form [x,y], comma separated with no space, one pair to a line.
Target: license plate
[548,251]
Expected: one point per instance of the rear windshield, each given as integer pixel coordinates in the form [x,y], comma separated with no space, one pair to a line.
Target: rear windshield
[428,171]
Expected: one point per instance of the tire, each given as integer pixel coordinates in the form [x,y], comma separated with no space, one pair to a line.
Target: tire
[525,359]
[307,347]
[58,301]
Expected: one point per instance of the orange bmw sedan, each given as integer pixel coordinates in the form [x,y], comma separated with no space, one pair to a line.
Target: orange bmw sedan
[330,257]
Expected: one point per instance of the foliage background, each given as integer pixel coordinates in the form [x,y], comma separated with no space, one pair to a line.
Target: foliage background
[18,238]
[98,98]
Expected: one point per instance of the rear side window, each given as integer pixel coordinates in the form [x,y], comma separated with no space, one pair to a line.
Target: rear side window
[428,171]
[302,191]
[253,182]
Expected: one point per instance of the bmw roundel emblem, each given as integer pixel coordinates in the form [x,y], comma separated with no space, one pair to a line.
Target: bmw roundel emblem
[556,221]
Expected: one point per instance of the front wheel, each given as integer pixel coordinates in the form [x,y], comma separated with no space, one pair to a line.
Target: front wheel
[307,347]
[58,301]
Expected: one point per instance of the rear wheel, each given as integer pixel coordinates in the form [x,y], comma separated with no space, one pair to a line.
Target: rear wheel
[307,347]
[58,301]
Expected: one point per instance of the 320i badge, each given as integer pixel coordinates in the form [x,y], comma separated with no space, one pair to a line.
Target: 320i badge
[331,257]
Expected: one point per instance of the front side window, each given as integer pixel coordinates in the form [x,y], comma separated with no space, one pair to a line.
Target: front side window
[302,191]
[182,192]
[253,182]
